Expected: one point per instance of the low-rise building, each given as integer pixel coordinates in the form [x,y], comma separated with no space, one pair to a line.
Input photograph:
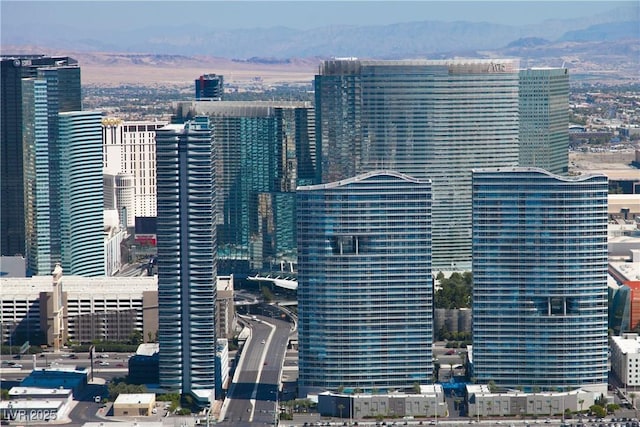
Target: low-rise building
[624,300]
[134,405]
[37,393]
[33,411]
[144,366]
[429,402]
[482,402]
[60,378]
[625,358]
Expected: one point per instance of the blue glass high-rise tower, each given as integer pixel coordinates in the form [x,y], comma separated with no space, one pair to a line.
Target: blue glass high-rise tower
[264,150]
[364,283]
[544,119]
[61,76]
[81,212]
[187,261]
[540,279]
[435,119]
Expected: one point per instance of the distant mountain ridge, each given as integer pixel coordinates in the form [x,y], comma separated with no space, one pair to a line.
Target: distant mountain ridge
[605,46]
[402,40]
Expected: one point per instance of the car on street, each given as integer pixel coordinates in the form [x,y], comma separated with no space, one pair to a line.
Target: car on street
[103,363]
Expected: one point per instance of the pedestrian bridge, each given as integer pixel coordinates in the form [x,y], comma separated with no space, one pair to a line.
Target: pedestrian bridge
[280,280]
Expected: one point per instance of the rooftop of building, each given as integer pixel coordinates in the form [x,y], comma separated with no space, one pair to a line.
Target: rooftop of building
[628,271]
[31,404]
[239,108]
[115,285]
[148,349]
[135,398]
[225,283]
[627,343]
[26,392]
[521,169]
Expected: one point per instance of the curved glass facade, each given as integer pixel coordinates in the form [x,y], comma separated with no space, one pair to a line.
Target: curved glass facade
[540,279]
[80,192]
[364,283]
[426,118]
[186,256]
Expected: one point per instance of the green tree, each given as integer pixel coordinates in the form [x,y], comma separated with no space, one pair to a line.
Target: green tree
[598,411]
[455,292]
[135,338]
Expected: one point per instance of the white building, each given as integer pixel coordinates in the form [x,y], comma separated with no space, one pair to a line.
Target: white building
[625,358]
[34,404]
[113,237]
[129,147]
[222,365]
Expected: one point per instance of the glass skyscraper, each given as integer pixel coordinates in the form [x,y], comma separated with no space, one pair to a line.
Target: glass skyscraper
[435,119]
[540,279]
[544,119]
[209,87]
[63,80]
[264,150]
[364,283]
[37,209]
[187,261]
[81,206]
[61,220]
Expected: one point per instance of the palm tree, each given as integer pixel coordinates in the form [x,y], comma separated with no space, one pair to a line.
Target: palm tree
[633,395]
[341,407]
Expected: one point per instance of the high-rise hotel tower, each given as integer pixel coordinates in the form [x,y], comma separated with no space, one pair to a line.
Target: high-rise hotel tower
[186,258]
[61,156]
[364,283]
[544,119]
[58,90]
[435,119]
[264,150]
[540,279]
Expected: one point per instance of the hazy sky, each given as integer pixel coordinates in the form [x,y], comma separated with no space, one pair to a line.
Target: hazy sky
[301,14]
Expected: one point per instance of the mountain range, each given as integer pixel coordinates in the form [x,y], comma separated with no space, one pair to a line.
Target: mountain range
[605,44]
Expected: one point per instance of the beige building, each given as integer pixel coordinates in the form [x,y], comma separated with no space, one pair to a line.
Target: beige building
[225,308]
[93,308]
[134,405]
